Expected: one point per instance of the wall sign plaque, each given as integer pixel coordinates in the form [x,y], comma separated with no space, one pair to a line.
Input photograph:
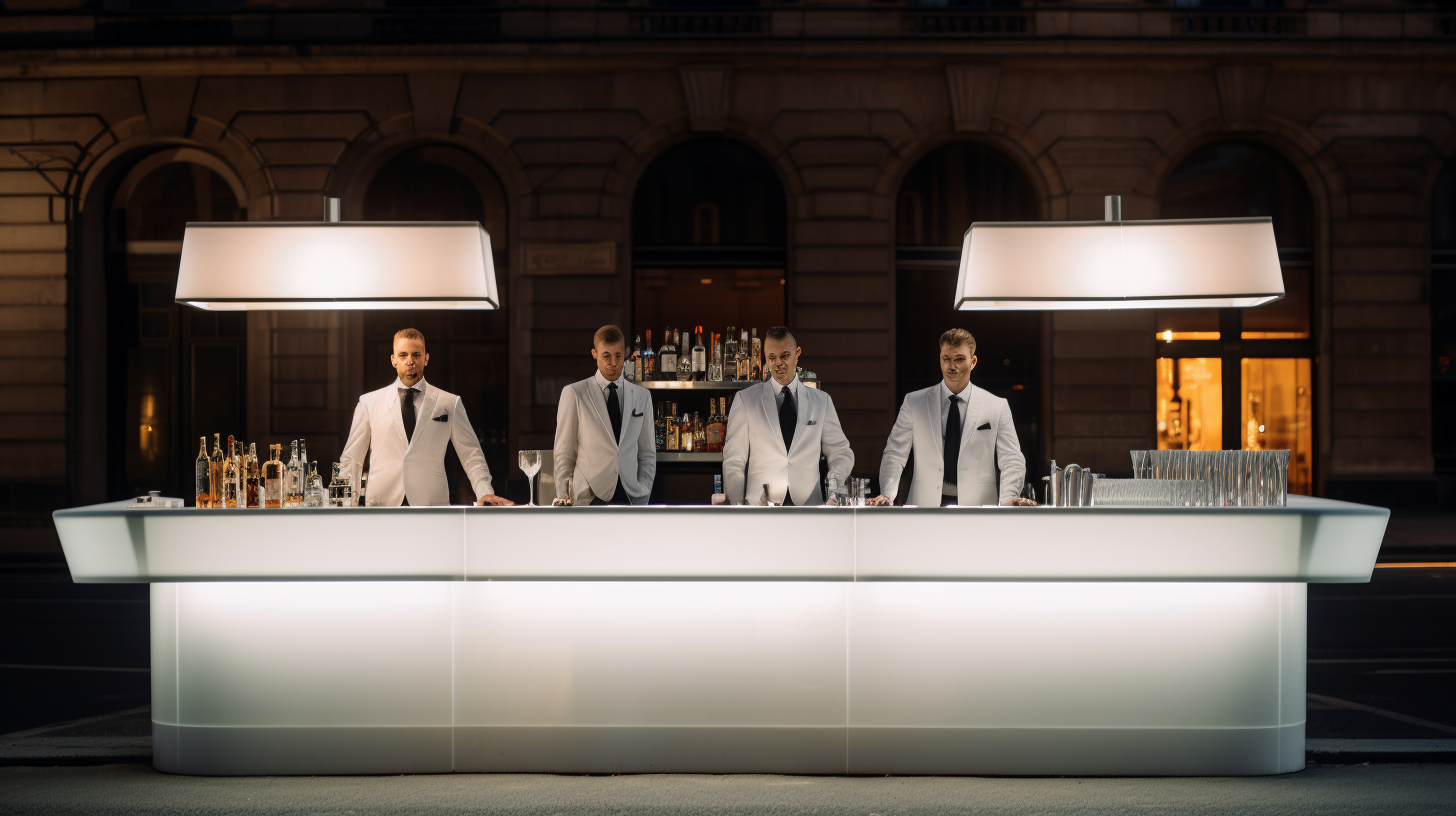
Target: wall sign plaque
[572,259]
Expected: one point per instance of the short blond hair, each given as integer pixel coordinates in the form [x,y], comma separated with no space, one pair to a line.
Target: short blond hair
[408,334]
[956,338]
[609,335]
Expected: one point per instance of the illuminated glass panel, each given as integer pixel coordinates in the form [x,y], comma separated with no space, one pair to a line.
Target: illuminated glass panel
[1190,403]
[1276,414]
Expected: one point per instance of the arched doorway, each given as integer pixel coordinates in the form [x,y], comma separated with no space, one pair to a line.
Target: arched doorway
[942,195]
[467,348]
[173,374]
[709,231]
[1255,393]
[1443,321]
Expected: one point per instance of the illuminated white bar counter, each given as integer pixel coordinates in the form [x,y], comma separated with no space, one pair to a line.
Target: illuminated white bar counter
[1132,641]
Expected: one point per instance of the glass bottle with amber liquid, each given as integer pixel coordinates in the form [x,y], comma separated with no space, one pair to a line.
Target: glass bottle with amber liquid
[230,477]
[667,357]
[755,357]
[273,476]
[649,360]
[203,479]
[252,479]
[215,466]
[674,430]
[717,424]
[700,433]
[634,361]
[659,428]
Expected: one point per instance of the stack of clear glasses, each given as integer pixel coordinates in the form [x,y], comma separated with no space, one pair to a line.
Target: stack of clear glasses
[1231,478]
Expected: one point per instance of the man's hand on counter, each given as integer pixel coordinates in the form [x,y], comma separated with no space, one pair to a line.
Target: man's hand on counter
[493,499]
[1019,502]
[881,501]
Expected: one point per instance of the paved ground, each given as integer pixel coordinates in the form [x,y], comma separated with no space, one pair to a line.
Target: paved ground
[117,790]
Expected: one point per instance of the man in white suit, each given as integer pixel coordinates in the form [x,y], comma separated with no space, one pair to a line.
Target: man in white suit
[404,428]
[961,436]
[777,430]
[604,432]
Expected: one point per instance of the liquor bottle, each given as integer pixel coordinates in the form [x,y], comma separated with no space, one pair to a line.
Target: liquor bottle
[314,494]
[730,356]
[715,367]
[649,360]
[634,369]
[740,362]
[685,434]
[230,477]
[700,433]
[667,358]
[755,358]
[684,359]
[293,479]
[273,477]
[341,492]
[700,356]
[718,497]
[674,430]
[214,472]
[659,428]
[203,481]
[252,479]
[717,425]
[240,464]
[303,471]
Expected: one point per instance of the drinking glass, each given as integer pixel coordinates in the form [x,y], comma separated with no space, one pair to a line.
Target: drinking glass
[531,464]
[1281,478]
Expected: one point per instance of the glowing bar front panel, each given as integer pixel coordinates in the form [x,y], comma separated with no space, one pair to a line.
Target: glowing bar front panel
[685,658]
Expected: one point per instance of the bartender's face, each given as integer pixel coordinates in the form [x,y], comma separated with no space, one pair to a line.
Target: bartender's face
[609,359]
[409,360]
[782,357]
[956,363]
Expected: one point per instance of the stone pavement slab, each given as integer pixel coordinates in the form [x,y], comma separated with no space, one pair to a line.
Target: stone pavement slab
[124,790]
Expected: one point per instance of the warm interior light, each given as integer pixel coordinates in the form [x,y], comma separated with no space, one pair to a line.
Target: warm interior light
[1209,263]
[1169,336]
[243,266]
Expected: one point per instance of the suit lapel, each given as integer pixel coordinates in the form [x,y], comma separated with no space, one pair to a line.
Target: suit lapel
[396,416]
[803,413]
[768,399]
[592,395]
[972,411]
[426,412]
[931,406]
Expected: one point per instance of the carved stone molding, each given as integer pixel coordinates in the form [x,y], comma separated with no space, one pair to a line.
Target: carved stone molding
[168,100]
[432,96]
[1241,90]
[972,95]
[706,89]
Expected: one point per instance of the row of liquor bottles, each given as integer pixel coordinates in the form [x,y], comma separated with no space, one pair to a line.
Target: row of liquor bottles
[691,433]
[724,358]
[234,478]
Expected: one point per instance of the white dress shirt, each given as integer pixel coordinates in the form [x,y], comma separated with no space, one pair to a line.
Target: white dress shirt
[794,389]
[602,383]
[946,488]
[419,389]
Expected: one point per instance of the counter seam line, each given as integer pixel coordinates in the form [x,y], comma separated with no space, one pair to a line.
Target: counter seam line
[848,598]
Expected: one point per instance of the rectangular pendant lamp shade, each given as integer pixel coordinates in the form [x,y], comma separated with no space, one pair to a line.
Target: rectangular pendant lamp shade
[1115,264]
[349,265]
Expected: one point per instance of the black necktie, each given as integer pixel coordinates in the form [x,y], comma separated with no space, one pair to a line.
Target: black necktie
[407,412]
[614,410]
[788,418]
[953,439]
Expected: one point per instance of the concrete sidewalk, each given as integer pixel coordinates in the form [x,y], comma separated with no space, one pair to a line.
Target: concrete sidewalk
[116,790]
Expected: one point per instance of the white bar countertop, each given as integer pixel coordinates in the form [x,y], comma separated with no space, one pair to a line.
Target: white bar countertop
[1310,541]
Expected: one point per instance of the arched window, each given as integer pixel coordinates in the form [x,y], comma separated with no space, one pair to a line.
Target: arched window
[174,374]
[709,222]
[1443,319]
[468,351]
[940,197]
[1236,379]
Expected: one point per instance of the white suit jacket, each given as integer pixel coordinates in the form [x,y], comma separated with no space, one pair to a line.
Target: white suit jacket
[586,451]
[988,439]
[413,467]
[754,454]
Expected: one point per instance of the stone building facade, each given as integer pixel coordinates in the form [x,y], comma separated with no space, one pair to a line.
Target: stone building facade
[567,109]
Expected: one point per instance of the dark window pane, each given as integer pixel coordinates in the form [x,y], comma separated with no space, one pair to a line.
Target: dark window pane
[216,390]
[156,325]
[709,175]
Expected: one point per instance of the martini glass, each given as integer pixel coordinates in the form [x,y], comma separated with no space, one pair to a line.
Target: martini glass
[531,465]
